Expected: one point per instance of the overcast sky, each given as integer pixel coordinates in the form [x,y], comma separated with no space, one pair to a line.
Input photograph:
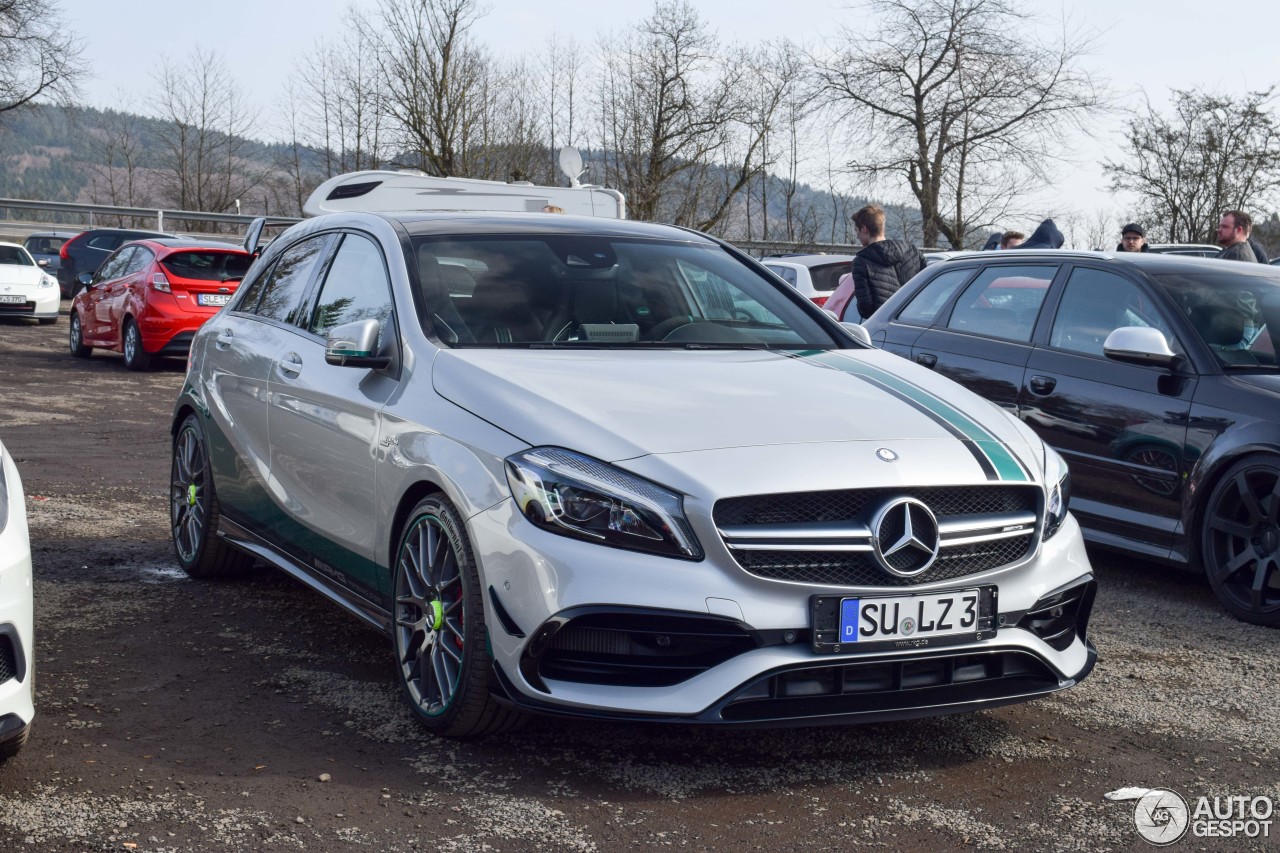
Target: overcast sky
[1149,47]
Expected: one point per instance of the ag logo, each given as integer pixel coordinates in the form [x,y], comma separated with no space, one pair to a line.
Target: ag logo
[1160,815]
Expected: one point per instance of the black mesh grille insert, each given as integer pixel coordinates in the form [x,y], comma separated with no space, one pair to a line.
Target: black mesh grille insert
[8,661]
[859,568]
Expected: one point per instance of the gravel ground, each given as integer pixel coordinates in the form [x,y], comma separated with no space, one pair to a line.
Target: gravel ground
[177,715]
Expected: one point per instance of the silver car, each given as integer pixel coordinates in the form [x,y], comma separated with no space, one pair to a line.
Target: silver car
[619,470]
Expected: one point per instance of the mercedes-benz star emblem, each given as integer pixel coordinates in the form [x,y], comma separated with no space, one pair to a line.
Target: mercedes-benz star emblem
[905,537]
[884,454]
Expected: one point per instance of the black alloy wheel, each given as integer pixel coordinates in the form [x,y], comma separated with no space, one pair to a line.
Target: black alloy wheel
[194,512]
[78,347]
[439,631]
[135,357]
[1241,540]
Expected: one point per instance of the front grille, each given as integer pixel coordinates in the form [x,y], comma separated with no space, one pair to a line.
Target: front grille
[811,563]
[876,687]
[20,308]
[8,660]
[859,568]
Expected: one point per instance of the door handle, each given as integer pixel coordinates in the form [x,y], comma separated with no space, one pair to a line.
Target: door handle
[223,341]
[1042,384]
[291,365]
[928,359]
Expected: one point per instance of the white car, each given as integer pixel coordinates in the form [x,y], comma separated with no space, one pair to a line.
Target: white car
[26,290]
[627,473]
[17,672]
[815,276]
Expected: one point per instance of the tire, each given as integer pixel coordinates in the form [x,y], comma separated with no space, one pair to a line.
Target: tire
[78,347]
[439,636]
[14,745]
[194,513]
[1240,540]
[46,321]
[135,357]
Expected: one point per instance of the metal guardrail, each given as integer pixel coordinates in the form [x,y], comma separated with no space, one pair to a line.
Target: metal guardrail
[145,213]
[761,248]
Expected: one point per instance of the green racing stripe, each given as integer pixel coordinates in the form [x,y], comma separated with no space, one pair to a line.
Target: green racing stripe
[995,457]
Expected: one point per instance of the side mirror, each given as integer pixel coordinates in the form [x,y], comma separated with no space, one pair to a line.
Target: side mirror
[355,345]
[253,236]
[1139,345]
[85,278]
[42,262]
[859,333]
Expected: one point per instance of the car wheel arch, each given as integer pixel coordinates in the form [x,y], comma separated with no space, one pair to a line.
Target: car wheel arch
[1205,475]
[411,497]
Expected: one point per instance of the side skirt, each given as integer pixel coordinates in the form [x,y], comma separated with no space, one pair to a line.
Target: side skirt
[358,606]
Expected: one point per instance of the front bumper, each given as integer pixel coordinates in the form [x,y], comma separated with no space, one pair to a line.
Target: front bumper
[16,621]
[585,630]
[41,303]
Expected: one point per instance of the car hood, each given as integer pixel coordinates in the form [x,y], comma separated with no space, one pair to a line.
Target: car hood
[615,404]
[23,277]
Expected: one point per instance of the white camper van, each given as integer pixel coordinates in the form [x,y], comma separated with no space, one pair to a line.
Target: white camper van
[387,191]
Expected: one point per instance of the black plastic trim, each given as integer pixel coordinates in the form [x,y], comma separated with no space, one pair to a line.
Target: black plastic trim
[11,726]
[19,653]
[508,624]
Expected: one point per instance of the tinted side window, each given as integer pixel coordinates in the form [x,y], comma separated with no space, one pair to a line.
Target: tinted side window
[105,242]
[1096,303]
[355,287]
[140,259]
[924,307]
[787,273]
[1003,302]
[827,276]
[114,266]
[286,286]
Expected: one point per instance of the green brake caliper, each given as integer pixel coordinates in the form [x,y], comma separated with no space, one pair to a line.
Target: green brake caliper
[437,615]
[191,495]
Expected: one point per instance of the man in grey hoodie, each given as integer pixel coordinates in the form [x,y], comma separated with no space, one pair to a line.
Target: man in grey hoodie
[883,265]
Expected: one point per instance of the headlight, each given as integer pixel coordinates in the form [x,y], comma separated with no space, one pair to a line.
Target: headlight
[1057,478]
[46,281]
[577,496]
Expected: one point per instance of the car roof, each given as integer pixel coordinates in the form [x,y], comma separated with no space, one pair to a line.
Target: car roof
[462,223]
[808,260]
[1151,262]
[189,243]
[51,234]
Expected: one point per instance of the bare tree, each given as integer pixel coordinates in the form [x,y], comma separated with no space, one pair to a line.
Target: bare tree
[958,101]
[122,178]
[1214,153]
[434,72]
[205,138]
[39,55]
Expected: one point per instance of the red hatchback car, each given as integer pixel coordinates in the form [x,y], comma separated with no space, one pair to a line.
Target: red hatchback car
[149,297]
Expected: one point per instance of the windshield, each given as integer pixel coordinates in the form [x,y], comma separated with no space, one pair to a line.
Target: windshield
[585,291]
[1237,316]
[15,256]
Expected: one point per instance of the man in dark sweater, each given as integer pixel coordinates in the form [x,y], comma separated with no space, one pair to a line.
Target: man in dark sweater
[883,265]
[1233,237]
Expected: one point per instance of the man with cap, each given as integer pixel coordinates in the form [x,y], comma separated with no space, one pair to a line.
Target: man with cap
[1132,239]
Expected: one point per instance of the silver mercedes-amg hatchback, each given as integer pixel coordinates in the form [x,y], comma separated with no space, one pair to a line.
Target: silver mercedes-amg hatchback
[619,470]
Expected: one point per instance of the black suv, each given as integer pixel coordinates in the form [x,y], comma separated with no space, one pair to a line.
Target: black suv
[86,252]
[1155,376]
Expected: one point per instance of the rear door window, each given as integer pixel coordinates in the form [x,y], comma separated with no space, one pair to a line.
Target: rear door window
[285,288]
[1003,302]
[114,266]
[1095,304]
[925,306]
[138,261]
[788,274]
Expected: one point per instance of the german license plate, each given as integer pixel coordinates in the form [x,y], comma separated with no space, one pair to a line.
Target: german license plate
[213,298]
[842,624]
[13,300]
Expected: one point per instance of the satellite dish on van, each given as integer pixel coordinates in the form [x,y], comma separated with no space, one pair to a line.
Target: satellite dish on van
[571,164]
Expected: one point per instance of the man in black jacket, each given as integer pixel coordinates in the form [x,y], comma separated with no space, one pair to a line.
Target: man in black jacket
[883,265]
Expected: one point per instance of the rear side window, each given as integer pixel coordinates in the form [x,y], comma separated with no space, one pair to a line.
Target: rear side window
[1003,302]
[286,286]
[788,274]
[207,266]
[924,307]
[105,242]
[115,265]
[827,276]
[140,259]
[356,287]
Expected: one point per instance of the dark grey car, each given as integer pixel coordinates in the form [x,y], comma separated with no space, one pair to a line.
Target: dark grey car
[86,251]
[46,246]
